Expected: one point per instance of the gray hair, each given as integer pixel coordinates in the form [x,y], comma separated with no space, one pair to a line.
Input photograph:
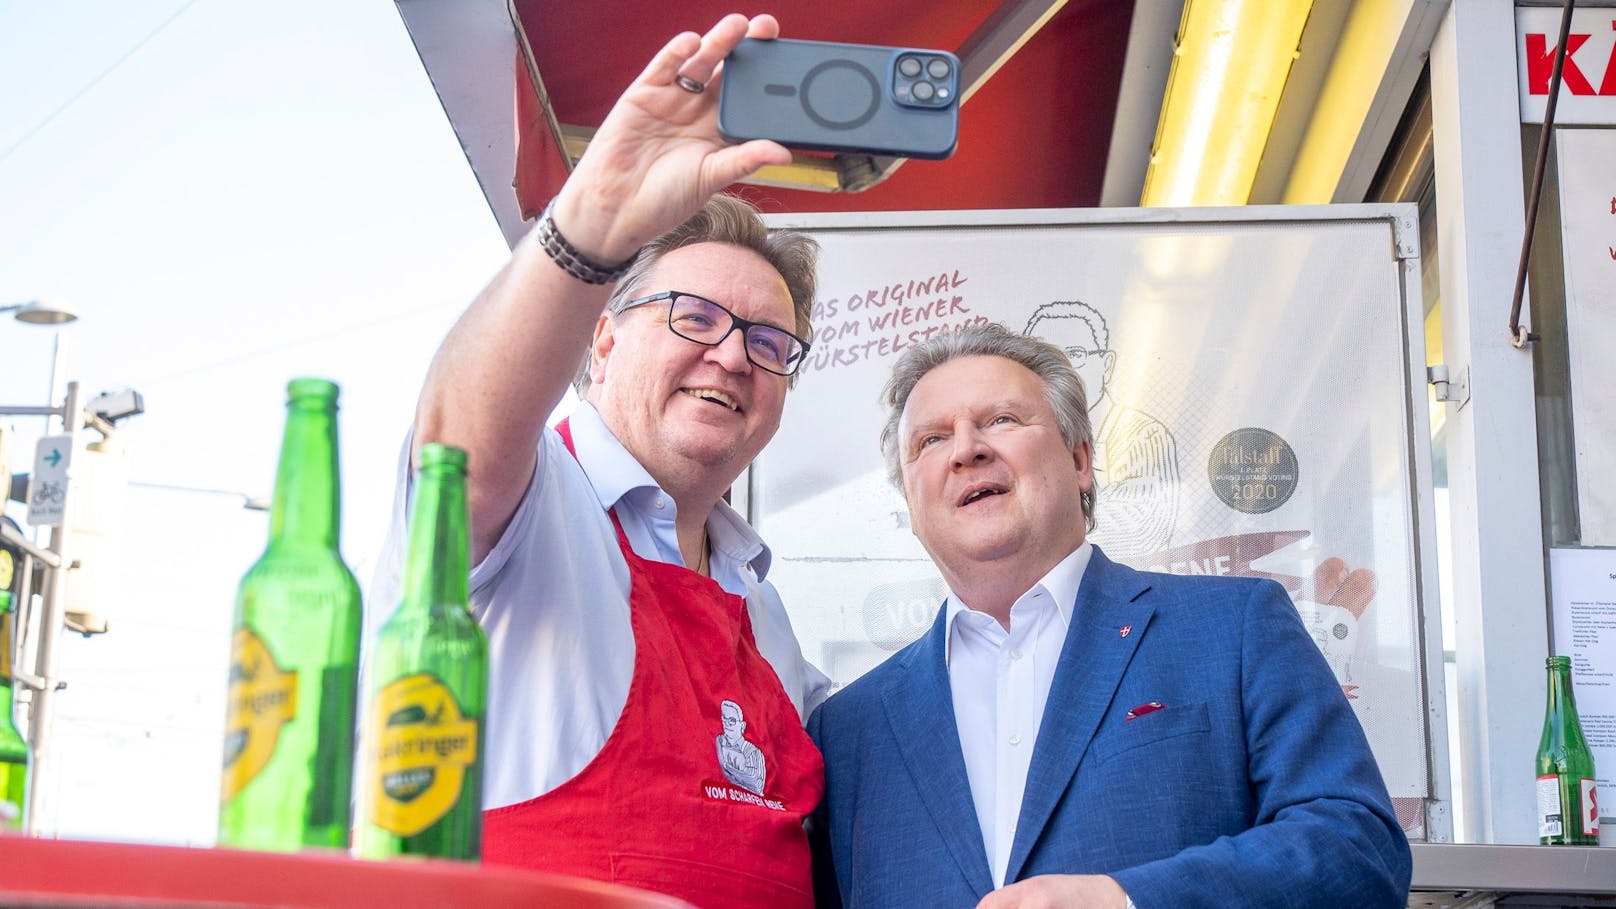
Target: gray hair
[1063,387]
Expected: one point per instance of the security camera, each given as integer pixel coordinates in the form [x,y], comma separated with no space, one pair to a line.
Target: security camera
[113,406]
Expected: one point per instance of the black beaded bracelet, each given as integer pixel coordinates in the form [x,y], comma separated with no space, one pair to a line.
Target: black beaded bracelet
[571,260]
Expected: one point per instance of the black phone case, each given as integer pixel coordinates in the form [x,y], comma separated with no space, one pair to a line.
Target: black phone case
[832,97]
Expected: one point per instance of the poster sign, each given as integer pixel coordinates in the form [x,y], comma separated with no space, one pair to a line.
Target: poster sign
[47,486]
[1249,386]
[1583,585]
[1587,165]
[1588,82]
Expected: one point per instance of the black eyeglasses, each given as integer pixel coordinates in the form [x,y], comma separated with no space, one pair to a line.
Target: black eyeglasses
[707,323]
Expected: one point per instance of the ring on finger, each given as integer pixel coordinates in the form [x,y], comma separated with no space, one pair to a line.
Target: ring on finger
[688,84]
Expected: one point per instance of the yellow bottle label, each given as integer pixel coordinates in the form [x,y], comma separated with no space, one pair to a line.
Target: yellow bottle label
[5,646]
[263,698]
[8,568]
[420,746]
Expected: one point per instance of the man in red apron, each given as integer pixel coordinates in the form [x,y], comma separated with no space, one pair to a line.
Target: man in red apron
[630,622]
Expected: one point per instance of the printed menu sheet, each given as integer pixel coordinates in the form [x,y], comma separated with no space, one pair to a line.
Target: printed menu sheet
[1583,582]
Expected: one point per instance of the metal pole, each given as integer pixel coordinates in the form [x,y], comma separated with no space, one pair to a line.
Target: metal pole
[58,364]
[1517,335]
[50,631]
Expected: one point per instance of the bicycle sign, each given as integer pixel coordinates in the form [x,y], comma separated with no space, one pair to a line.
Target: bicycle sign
[47,487]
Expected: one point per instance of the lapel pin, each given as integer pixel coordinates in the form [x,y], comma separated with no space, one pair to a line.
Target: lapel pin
[1142,709]
[1123,631]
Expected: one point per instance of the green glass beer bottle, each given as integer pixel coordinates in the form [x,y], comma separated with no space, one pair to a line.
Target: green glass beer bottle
[1567,803]
[13,750]
[420,782]
[289,732]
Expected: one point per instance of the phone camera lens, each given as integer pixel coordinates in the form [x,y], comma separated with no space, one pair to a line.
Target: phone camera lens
[924,79]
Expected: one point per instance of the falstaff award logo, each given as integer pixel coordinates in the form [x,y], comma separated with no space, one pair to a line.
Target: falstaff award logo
[263,698]
[1253,470]
[423,746]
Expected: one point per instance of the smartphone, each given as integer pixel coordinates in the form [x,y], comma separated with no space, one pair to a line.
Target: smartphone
[896,101]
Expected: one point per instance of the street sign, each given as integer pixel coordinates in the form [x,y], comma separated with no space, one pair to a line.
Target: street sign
[47,487]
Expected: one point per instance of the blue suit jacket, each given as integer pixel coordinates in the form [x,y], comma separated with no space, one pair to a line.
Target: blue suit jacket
[1252,786]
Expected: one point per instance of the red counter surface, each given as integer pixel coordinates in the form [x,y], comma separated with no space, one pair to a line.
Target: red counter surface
[67,873]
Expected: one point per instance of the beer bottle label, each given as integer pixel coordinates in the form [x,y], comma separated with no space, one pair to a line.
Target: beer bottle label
[13,790]
[423,743]
[5,647]
[1590,808]
[263,698]
[1549,819]
[8,569]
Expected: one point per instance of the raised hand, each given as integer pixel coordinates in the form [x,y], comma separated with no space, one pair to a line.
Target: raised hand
[658,156]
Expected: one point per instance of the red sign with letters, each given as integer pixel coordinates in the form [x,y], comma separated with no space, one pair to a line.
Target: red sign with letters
[1588,82]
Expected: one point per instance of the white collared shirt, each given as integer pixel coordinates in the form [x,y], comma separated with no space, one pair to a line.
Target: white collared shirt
[553,597]
[1000,682]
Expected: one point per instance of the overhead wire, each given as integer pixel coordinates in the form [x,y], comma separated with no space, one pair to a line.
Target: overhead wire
[88,86]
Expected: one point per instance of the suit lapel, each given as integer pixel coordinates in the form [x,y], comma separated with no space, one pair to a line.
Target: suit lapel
[1093,659]
[920,707]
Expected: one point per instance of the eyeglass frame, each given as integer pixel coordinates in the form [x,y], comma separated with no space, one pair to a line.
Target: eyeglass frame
[735,322]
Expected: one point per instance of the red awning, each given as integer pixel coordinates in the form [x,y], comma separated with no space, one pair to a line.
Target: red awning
[1036,134]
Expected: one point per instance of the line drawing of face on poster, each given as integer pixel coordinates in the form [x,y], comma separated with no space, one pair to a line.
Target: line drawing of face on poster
[1135,455]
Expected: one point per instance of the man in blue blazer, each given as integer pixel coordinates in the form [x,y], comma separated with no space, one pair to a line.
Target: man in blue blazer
[1071,732]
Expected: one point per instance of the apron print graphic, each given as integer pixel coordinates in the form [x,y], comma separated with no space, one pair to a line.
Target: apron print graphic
[742,763]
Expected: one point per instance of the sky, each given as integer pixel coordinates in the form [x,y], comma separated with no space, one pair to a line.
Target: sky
[229,194]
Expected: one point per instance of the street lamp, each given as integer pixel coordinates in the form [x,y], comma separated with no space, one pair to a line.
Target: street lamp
[38,312]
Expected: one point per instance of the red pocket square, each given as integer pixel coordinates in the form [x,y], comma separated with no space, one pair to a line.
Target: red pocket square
[1142,709]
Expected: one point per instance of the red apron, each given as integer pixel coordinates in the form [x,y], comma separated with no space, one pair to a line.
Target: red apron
[701,789]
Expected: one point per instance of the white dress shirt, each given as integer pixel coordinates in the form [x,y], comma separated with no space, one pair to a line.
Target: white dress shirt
[553,596]
[1000,682]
